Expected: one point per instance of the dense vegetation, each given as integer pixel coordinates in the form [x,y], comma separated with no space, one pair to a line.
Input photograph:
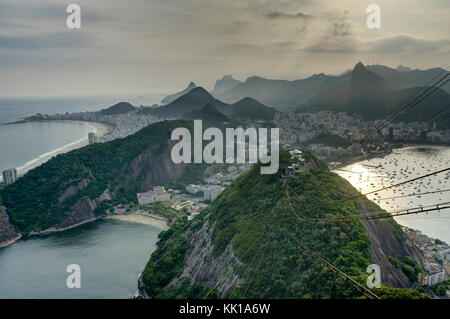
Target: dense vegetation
[162,210]
[407,266]
[254,216]
[33,201]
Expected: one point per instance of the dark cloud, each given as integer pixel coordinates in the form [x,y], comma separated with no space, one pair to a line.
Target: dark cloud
[341,29]
[275,14]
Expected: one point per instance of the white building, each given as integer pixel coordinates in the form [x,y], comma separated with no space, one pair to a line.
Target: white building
[436,278]
[92,138]
[211,193]
[9,176]
[158,194]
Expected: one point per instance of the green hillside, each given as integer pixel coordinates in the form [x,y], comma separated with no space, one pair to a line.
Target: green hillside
[43,198]
[242,246]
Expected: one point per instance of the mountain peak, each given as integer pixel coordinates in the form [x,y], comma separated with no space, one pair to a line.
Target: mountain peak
[363,78]
[250,108]
[402,68]
[193,100]
[254,78]
[119,108]
[224,84]
[359,66]
[198,91]
[170,98]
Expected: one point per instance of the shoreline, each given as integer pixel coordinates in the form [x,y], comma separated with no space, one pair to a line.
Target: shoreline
[138,217]
[58,230]
[98,128]
[11,241]
[141,218]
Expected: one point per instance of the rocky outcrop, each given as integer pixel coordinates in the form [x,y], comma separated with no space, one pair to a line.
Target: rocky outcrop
[72,190]
[170,98]
[149,168]
[385,244]
[206,271]
[7,232]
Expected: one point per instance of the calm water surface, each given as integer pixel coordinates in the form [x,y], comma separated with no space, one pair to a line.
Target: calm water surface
[401,165]
[111,255]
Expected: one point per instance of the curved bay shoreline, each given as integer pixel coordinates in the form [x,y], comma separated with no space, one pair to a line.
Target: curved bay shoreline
[100,130]
[140,218]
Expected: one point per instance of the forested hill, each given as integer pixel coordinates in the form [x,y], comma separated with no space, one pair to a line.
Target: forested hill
[76,186]
[241,246]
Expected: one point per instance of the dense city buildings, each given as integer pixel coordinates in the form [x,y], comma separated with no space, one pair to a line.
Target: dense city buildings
[435,256]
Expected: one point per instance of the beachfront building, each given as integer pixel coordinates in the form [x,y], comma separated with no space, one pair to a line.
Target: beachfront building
[92,138]
[9,176]
[158,194]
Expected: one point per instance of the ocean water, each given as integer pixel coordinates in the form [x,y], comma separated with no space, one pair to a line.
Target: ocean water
[111,255]
[405,164]
[22,144]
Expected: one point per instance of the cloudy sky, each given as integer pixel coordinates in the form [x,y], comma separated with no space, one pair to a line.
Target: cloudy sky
[148,46]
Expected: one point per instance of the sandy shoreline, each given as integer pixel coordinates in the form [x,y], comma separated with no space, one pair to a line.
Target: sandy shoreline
[141,218]
[98,128]
[10,242]
[138,217]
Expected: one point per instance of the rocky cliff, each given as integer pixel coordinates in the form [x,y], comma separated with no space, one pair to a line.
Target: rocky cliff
[8,233]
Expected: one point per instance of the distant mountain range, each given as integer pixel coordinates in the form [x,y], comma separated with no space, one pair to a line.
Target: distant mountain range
[373,96]
[373,92]
[170,98]
[193,102]
[276,93]
[195,99]
[224,84]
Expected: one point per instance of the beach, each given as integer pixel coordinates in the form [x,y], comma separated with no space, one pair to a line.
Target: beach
[98,128]
[142,218]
